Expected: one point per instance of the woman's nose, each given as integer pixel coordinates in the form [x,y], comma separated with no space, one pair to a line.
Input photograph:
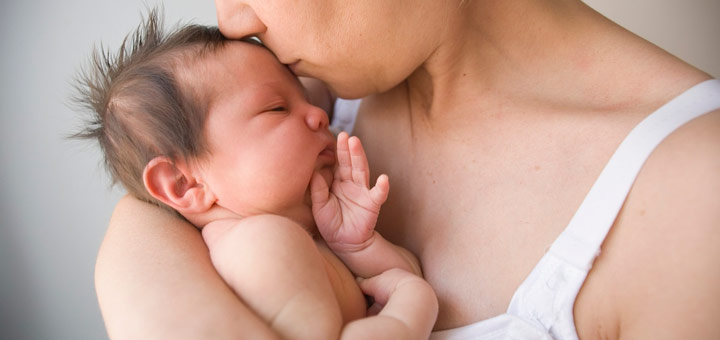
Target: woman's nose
[237,20]
[316,118]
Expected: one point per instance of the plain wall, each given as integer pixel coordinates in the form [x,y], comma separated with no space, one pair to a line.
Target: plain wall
[55,199]
[54,196]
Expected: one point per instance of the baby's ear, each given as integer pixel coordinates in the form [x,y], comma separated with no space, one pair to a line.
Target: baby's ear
[175,185]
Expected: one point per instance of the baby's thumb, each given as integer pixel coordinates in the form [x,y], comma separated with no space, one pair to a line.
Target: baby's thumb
[379,193]
[319,190]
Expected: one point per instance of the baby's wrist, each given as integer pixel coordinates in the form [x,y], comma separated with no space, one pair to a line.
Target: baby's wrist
[347,248]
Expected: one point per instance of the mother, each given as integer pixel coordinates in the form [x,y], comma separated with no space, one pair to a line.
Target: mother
[493,119]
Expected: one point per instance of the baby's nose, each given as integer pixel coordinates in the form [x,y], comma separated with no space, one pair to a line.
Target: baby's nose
[316,118]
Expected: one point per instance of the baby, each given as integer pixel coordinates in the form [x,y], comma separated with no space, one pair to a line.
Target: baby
[223,134]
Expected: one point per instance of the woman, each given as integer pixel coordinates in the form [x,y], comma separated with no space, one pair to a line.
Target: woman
[500,116]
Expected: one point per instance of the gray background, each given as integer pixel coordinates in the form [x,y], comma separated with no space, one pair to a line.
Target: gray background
[54,196]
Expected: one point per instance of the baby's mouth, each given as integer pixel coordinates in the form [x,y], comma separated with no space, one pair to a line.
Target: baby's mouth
[328,154]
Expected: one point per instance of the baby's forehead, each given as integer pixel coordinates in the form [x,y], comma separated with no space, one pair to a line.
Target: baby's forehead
[246,49]
[235,69]
[236,56]
[249,61]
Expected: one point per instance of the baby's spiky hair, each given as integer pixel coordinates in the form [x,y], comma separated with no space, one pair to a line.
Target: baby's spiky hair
[138,108]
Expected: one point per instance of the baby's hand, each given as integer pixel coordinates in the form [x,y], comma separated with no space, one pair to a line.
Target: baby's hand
[346,216]
[405,305]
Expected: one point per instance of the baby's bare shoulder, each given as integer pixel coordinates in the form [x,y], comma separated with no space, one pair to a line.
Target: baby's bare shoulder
[263,232]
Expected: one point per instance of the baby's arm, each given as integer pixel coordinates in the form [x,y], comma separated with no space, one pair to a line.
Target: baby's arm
[273,265]
[346,215]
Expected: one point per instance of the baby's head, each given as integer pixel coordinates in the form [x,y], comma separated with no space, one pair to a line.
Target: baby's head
[208,127]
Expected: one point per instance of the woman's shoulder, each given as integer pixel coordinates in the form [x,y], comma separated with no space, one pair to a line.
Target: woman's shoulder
[679,184]
[659,262]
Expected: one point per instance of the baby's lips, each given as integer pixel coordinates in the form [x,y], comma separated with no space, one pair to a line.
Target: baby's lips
[329,153]
[330,148]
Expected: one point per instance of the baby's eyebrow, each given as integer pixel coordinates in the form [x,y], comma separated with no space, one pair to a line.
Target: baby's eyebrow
[244,100]
[262,94]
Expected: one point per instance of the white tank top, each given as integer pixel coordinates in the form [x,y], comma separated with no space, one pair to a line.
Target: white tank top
[542,307]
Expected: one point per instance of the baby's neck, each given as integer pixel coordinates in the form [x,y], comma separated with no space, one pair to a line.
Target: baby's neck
[220,214]
[216,213]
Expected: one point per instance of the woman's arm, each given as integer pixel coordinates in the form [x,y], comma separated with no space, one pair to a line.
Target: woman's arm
[154,280]
[671,225]
[657,276]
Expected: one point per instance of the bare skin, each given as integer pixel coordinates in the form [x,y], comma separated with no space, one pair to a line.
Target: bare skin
[136,305]
[526,164]
[496,138]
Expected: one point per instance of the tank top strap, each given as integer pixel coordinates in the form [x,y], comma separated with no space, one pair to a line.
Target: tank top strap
[580,242]
[547,296]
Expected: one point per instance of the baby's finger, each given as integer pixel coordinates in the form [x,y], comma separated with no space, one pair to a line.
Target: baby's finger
[360,168]
[344,169]
[382,286]
[379,192]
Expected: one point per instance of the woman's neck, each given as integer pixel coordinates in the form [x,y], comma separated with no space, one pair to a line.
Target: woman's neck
[548,55]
